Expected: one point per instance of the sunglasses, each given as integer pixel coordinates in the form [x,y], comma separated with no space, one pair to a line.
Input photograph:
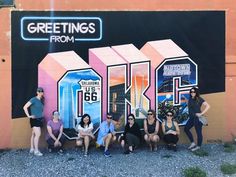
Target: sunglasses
[169,115]
[192,91]
[130,119]
[109,117]
[149,114]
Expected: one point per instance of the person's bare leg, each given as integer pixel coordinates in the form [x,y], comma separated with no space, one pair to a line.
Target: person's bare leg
[86,144]
[148,141]
[155,140]
[32,140]
[107,141]
[79,142]
[37,134]
[122,143]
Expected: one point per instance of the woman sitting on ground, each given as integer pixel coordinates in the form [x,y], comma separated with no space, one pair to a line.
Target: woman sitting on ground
[132,135]
[54,136]
[171,131]
[151,128]
[85,135]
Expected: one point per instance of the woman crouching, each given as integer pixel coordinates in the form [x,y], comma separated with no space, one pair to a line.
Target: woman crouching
[132,135]
[85,135]
[171,131]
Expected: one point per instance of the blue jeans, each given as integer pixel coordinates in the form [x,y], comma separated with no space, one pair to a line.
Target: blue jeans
[194,121]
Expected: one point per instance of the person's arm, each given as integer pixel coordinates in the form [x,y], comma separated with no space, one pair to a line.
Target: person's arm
[112,129]
[163,127]
[61,131]
[82,131]
[88,132]
[26,107]
[78,129]
[177,128]
[102,130]
[49,129]
[91,131]
[156,128]
[145,126]
[206,108]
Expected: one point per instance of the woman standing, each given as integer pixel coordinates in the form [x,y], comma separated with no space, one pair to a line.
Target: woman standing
[171,131]
[132,135]
[151,128]
[54,136]
[35,105]
[85,135]
[195,103]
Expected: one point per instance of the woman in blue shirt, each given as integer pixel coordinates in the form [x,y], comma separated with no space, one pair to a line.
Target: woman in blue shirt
[106,134]
[35,105]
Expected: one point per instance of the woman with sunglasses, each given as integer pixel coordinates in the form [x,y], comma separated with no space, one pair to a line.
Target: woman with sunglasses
[85,128]
[36,105]
[54,136]
[132,135]
[151,128]
[170,128]
[106,135]
[195,103]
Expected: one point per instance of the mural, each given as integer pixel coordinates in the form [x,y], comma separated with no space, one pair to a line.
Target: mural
[99,62]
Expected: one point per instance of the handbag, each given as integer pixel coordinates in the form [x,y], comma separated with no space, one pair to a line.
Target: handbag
[203,120]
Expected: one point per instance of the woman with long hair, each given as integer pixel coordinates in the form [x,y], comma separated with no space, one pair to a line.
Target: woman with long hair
[132,135]
[195,104]
[85,128]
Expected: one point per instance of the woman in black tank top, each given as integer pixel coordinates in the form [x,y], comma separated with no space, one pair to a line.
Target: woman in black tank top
[171,131]
[197,107]
[151,128]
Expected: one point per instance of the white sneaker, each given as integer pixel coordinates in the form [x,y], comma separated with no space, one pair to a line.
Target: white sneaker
[192,145]
[195,149]
[37,153]
[31,151]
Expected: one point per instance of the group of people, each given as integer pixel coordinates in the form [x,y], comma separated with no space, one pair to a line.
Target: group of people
[131,137]
[54,136]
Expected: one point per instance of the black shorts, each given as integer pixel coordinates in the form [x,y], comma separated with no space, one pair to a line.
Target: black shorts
[36,122]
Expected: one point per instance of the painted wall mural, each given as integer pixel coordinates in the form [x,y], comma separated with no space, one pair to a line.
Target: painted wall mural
[99,62]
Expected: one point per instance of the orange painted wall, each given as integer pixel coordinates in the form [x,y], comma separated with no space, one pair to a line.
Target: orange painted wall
[16,133]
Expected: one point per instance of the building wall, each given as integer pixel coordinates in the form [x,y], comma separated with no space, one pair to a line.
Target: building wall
[15,133]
